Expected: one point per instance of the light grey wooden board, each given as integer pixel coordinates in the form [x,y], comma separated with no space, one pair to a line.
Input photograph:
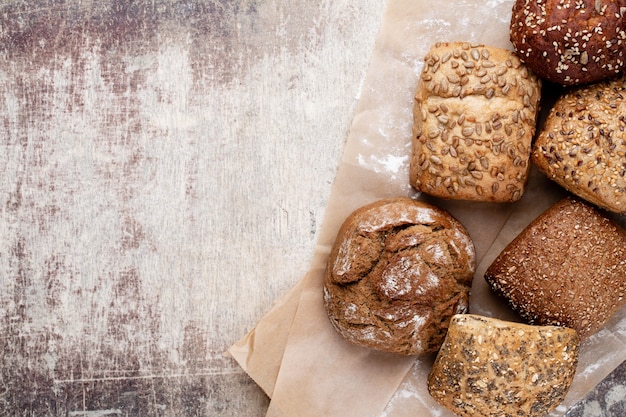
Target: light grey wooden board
[164,169]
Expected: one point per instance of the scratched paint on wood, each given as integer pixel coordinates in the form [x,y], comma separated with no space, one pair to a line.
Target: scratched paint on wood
[151,177]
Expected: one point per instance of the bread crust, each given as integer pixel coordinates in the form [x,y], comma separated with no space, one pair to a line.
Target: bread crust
[475,112]
[570,42]
[582,144]
[492,368]
[566,268]
[398,270]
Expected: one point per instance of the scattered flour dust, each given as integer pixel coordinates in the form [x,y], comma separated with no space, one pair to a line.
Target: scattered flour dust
[369,333]
[390,163]
[418,323]
[462,307]
[411,396]
[342,262]
[392,285]
[436,252]
[351,312]
[468,245]
[327,296]
[398,278]
[382,216]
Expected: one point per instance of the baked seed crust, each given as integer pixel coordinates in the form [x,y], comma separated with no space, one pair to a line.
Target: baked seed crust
[492,368]
[570,42]
[475,114]
[582,144]
[566,268]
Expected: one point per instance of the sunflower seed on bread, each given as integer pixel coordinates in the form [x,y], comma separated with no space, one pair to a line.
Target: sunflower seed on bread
[474,116]
[582,144]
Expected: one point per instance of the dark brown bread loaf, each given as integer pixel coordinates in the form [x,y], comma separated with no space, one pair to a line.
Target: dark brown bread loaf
[567,268]
[582,144]
[474,119]
[570,42]
[491,368]
[397,272]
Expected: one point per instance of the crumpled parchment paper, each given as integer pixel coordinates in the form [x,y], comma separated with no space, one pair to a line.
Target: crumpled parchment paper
[293,353]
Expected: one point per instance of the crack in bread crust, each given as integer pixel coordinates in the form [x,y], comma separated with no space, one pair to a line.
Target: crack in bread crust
[398,271]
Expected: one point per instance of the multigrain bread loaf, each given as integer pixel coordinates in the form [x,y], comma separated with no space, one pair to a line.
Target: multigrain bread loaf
[567,268]
[491,368]
[570,41]
[397,272]
[474,113]
[582,144]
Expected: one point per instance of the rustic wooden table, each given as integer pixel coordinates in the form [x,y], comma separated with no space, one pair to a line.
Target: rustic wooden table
[165,167]
[164,170]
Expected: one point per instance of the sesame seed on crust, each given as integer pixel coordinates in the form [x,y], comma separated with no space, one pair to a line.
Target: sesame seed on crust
[566,268]
[570,42]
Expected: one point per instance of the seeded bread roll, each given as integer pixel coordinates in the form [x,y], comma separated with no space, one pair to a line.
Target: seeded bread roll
[570,41]
[474,119]
[492,368]
[397,272]
[567,268]
[582,145]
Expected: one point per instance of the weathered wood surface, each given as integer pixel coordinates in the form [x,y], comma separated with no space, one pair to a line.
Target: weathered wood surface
[164,168]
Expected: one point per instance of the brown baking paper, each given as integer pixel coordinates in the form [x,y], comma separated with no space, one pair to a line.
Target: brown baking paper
[293,353]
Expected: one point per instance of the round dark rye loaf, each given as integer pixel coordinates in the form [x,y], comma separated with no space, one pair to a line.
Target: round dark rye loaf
[567,268]
[570,41]
[398,271]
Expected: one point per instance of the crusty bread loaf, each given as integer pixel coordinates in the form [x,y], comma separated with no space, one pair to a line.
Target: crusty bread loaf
[492,368]
[582,144]
[568,268]
[398,271]
[474,119]
[570,41]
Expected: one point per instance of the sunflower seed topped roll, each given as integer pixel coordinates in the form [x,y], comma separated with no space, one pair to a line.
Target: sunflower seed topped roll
[474,118]
[582,145]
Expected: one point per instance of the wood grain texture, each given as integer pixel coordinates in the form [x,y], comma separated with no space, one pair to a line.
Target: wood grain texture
[164,168]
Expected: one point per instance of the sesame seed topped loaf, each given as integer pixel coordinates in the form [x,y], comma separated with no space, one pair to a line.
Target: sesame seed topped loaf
[567,268]
[492,368]
[398,271]
[570,42]
[582,144]
[474,114]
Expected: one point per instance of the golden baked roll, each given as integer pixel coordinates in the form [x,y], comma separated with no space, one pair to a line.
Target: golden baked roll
[491,368]
[474,119]
[570,42]
[398,271]
[582,144]
[567,268]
